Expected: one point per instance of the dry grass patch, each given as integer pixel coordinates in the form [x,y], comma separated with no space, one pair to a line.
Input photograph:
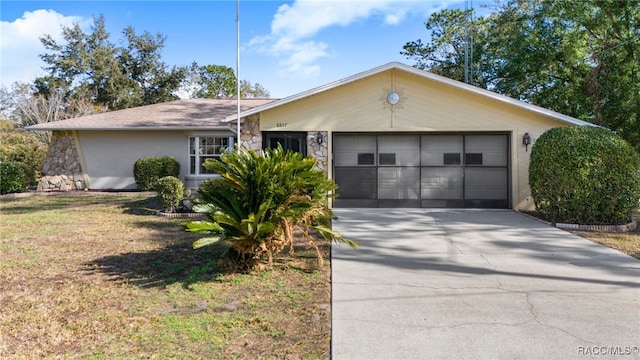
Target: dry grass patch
[97,276]
[628,243]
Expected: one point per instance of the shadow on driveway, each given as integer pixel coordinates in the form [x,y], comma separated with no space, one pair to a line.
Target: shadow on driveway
[471,284]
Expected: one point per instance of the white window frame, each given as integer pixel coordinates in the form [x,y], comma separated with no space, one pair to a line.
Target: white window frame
[201,153]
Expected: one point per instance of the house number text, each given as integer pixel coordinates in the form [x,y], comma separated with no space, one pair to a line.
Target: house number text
[281,125]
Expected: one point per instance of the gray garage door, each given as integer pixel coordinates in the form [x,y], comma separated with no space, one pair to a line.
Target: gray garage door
[421,170]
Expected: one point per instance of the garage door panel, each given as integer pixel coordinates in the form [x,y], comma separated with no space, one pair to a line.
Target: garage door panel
[356,182]
[399,203]
[442,183]
[485,183]
[441,203]
[486,204]
[438,150]
[356,150]
[355,203]
[490,149]
[398,183]
[398,150]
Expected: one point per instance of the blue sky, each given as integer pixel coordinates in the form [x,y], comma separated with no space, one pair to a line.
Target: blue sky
[286,46]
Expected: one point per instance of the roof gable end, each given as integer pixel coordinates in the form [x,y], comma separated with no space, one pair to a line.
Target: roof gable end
[420,73]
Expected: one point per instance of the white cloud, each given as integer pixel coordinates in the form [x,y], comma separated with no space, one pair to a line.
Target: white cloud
[20,46]
[294,26]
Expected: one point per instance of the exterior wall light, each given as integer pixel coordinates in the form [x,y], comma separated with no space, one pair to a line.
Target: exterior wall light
[526,140]
[319,138]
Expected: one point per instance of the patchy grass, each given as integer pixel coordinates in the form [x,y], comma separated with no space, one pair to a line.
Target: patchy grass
[628,243]
[97,276]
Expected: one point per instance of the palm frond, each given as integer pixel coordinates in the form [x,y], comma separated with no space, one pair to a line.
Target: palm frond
[207,241]
[202,227]
[335,236]
[260,198]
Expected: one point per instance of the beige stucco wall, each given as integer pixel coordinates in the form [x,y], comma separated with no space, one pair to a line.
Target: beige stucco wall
[425,106]
[110,155]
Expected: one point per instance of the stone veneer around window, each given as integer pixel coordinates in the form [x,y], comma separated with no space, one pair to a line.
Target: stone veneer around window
[251,138]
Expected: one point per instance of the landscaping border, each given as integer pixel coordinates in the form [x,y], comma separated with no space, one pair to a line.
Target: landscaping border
[181,215]
[581,227]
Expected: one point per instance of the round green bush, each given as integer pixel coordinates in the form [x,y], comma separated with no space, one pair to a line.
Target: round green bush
[584,175]
[147,171]
[13,177]
[171,192]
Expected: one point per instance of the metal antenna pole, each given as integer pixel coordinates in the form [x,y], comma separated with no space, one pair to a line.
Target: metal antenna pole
[471,45]
[238,70]
[466,42]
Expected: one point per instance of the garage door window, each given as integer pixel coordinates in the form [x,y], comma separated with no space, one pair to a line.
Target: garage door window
[473,159]
[366,159]
[451,159]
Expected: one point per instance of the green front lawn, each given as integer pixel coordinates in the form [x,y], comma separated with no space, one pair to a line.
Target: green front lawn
[98,276]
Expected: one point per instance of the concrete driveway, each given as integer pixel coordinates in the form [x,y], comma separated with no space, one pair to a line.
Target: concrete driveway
[478,284]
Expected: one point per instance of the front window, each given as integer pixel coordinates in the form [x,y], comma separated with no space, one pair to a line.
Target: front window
[202,148]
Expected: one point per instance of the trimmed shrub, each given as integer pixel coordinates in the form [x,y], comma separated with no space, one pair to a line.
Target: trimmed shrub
[147,170]
[171,192]
[13,177]
[584,175]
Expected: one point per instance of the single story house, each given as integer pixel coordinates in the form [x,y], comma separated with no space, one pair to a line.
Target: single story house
[392,136]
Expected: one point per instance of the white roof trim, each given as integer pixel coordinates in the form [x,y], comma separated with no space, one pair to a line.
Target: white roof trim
[422,73]
[120,128]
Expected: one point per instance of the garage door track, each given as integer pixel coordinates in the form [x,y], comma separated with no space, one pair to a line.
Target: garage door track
[478,284]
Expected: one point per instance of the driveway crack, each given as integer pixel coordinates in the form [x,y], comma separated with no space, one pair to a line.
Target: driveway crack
[495,276]
[447,236]
[535,316]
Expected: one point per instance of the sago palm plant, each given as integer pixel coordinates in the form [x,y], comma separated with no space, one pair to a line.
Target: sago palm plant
[261,199]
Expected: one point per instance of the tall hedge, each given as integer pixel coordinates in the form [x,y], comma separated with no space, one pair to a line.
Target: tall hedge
[147,170]
[585,175]
[19,146]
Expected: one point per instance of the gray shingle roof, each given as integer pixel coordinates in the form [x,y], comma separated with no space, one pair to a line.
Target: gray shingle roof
[189,114]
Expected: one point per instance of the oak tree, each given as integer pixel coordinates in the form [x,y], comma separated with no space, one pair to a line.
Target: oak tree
[580,58]
[88,65]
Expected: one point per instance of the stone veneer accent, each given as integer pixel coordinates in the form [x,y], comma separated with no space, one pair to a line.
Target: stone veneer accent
[251,136]
[319,151]
[62,170]
[189,196]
